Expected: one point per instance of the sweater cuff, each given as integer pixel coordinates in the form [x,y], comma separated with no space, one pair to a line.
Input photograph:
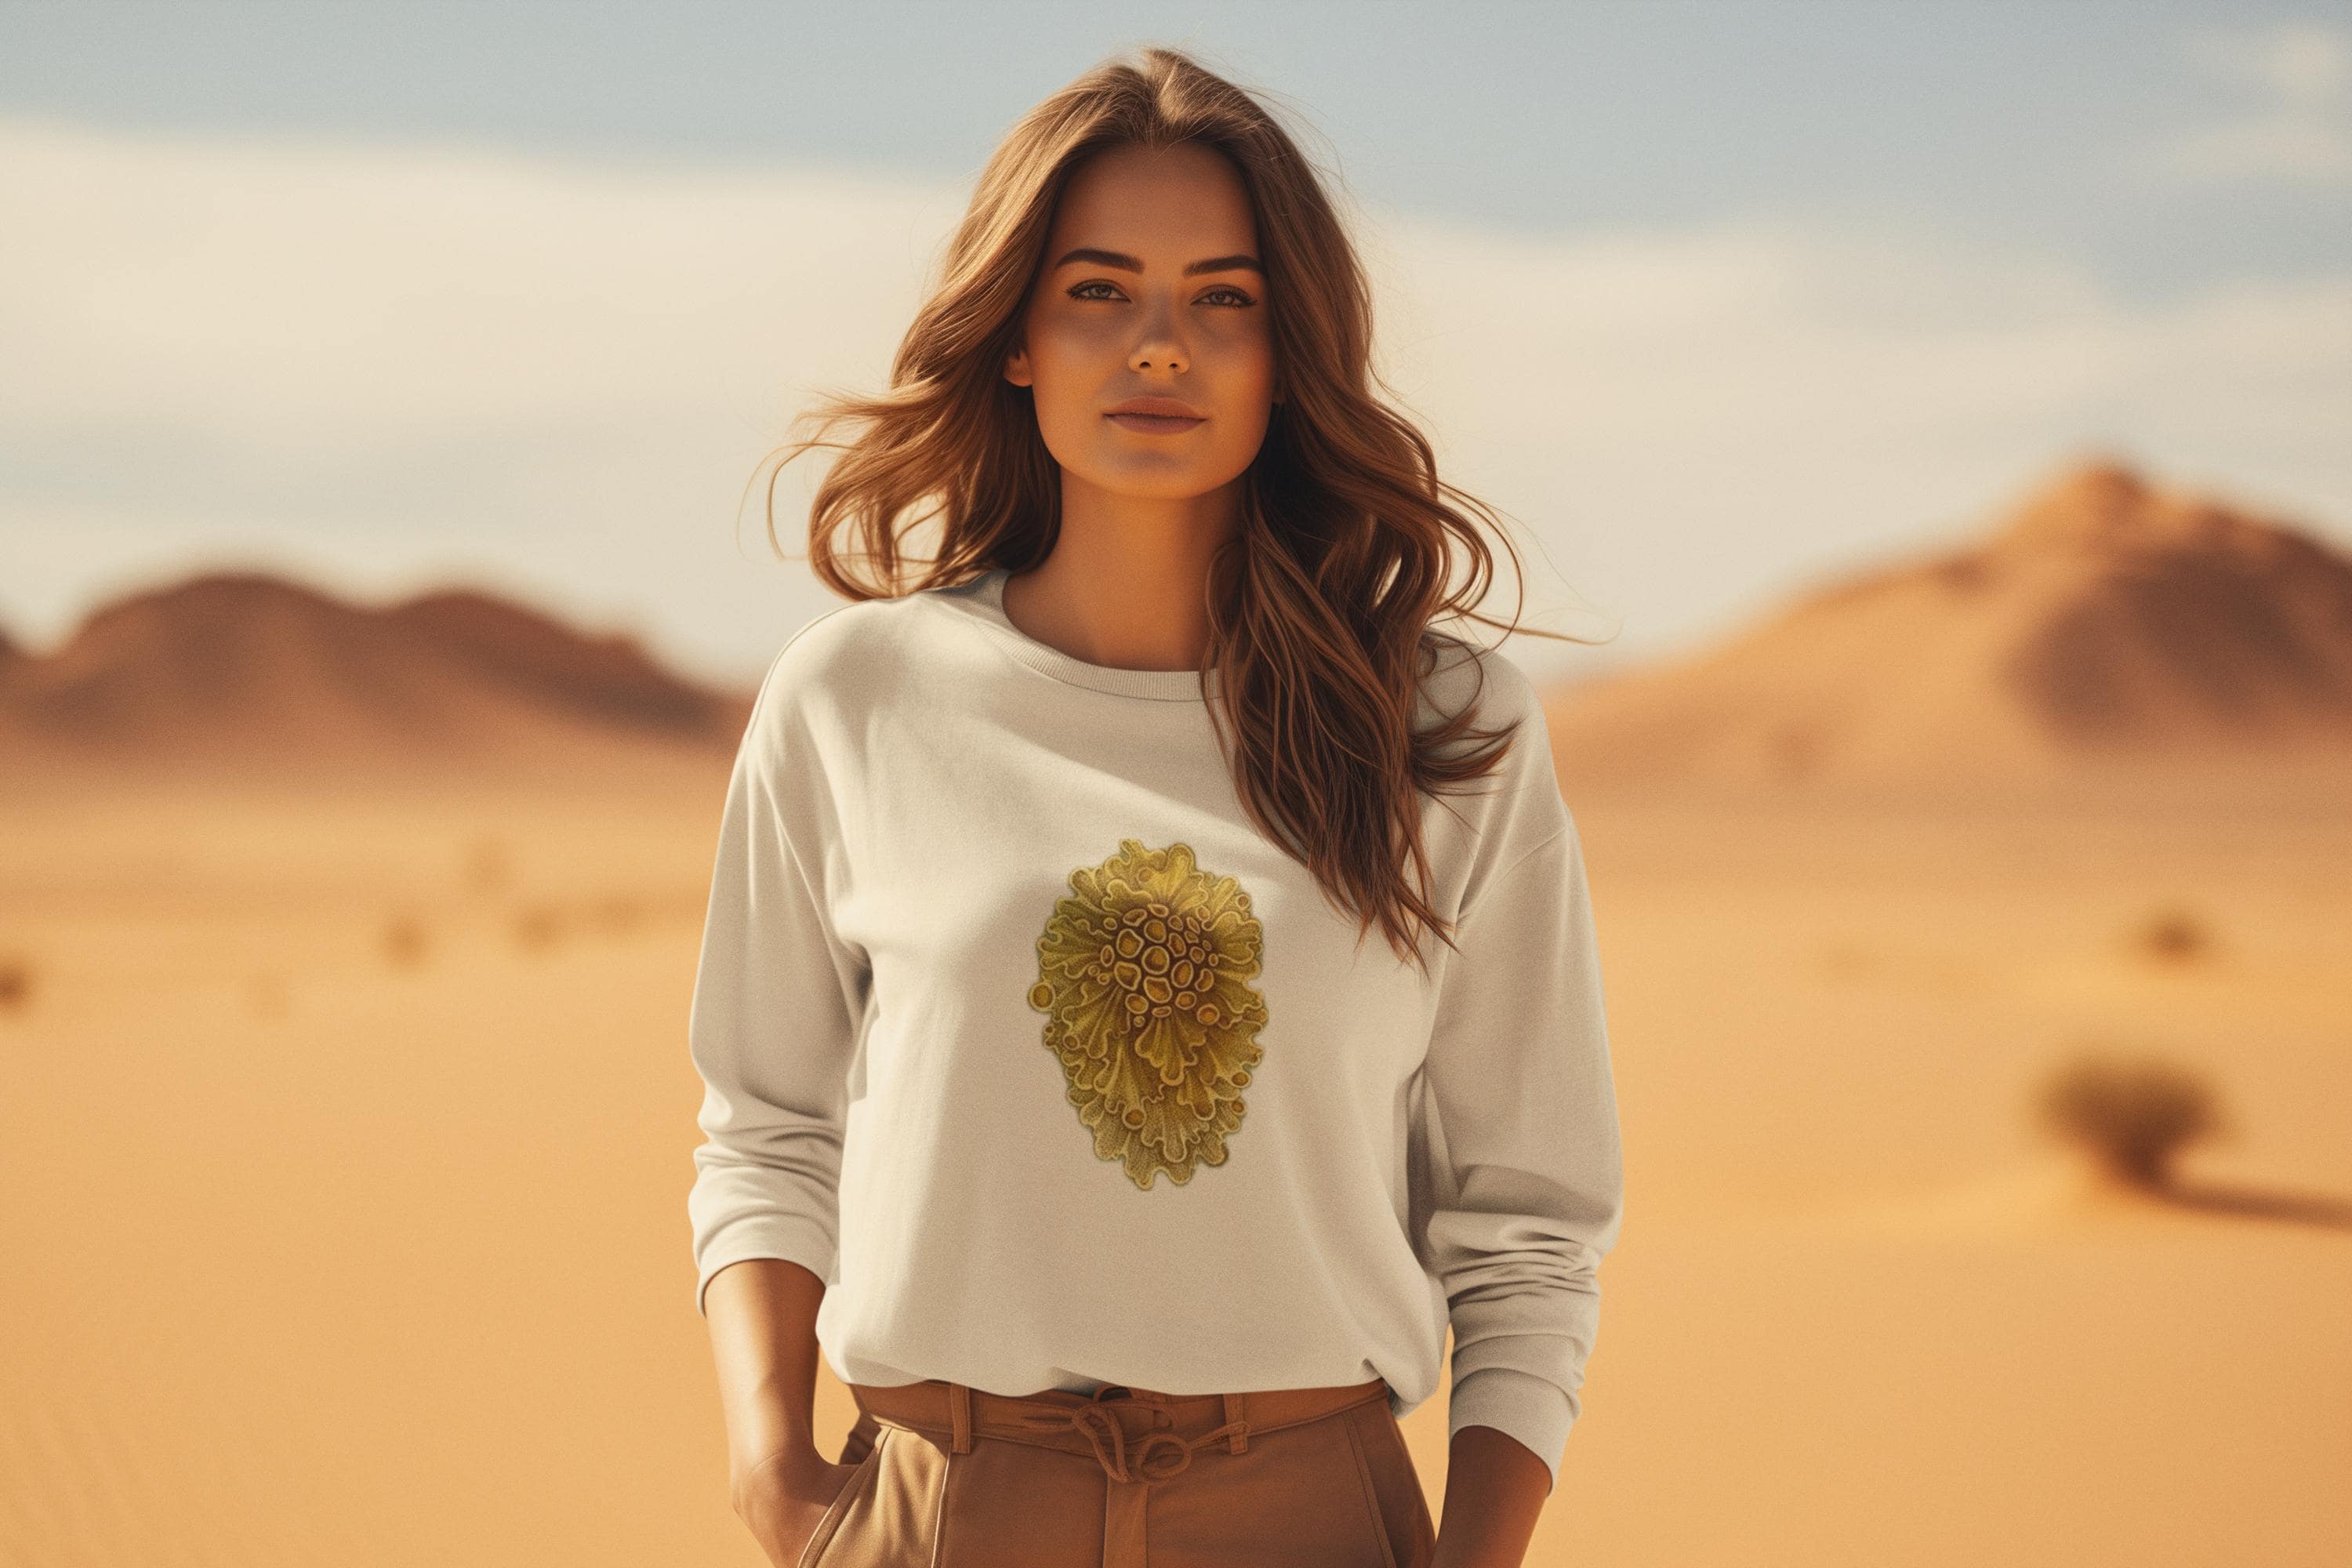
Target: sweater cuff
[788,1236]
[1518,1405]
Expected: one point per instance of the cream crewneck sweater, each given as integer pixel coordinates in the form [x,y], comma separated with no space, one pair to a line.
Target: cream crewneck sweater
[1018,1033]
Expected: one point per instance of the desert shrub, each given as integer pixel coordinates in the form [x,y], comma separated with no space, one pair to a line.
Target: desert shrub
[538,926]
[2132,1115]
[2174,936]
[403,941]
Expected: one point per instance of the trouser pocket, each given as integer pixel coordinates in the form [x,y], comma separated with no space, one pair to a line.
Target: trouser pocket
[860,1482]
[1404,1505]
[1376,1514]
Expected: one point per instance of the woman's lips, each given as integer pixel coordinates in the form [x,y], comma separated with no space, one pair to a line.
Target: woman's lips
[1154,423]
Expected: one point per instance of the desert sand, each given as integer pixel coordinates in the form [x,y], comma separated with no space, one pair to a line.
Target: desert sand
[346,1142]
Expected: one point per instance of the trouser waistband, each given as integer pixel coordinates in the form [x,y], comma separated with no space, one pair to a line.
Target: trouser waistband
[1138,1435]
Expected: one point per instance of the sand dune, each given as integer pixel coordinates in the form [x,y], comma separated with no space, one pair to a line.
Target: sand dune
[2107,630]
[247,676]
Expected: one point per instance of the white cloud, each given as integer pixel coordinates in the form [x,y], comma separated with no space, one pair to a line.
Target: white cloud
[2300,133]
[385,365]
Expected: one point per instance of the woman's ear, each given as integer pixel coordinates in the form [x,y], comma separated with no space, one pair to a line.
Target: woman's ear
[1016,367]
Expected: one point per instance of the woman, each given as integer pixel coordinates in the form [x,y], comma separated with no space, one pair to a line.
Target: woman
[1051,1085]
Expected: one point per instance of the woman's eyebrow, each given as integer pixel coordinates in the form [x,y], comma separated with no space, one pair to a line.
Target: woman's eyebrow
[1126,263]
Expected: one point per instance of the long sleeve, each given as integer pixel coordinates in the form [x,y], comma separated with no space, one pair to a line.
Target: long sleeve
[1522,1159]
[777,1004]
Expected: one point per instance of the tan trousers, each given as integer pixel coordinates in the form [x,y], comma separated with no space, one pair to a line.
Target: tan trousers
[949,1477]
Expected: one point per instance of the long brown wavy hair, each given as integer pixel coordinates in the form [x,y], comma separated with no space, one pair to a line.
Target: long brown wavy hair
[1319,607]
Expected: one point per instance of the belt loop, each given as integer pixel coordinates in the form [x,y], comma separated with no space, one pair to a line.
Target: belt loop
[959,1415]
[1239,1442]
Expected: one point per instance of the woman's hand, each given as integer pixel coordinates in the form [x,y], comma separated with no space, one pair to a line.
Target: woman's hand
[1496,1488]
[782,1498]
[762,1313]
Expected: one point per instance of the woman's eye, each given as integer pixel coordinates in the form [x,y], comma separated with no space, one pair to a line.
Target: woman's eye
[1235,295]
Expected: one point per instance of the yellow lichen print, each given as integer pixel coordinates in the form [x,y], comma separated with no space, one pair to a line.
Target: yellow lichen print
[1143,975]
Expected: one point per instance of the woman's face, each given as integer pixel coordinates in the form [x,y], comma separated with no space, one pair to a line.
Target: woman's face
[1151,288]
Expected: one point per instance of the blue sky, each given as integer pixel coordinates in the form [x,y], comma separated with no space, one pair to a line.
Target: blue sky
[1629,245]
